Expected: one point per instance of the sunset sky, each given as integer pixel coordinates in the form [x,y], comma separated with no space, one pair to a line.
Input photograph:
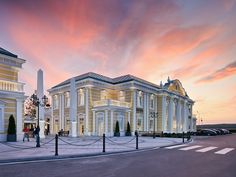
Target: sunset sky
[193,41]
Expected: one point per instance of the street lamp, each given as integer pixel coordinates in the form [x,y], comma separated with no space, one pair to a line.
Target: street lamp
[154,115]
[37,103]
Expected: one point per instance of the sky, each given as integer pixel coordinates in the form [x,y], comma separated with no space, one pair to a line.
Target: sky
[190,40]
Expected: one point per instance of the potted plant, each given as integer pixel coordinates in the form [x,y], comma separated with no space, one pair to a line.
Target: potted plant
[11,131]
[117,129]
[128,132]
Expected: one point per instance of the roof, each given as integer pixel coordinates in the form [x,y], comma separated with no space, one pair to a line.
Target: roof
[5,52]
[117,80]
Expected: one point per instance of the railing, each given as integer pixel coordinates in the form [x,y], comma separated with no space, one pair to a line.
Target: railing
[11,86]
[111,103]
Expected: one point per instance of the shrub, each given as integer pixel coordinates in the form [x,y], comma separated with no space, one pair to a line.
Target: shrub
[117,129]
[128,131]
[11,126]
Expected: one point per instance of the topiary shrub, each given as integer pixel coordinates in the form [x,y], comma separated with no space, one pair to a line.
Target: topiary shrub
[117,129]
[128,131]
[11,131]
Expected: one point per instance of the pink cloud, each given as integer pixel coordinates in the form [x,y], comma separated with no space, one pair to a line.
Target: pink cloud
[222,73]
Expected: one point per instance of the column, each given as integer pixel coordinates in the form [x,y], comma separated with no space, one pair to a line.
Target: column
[52,119]
[134,111]
[170,116]
[86,110]
[94,128]
[178,117]
[19,121]
[63,121]
[129,117]
[185,124]
[163,113]
[73,109]
[112,131]
[145,112]
[148,116]
[106,122]
[40,90]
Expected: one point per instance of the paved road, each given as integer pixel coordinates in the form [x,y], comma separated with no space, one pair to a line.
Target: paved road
[205,157]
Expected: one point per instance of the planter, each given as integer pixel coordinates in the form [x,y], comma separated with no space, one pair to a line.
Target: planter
[127,133]
[117,134]
[11,138]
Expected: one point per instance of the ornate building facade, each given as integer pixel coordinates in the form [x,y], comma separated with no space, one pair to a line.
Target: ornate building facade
[11,93]
[91,104]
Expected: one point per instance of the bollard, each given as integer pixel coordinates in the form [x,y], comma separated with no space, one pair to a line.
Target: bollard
[183,137]
[136,134]
[103,137]
[56,145]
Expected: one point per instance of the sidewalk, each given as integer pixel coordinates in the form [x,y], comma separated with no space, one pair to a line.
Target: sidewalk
[82,146]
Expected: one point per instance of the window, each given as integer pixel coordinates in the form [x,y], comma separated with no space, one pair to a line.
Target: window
[81,97]
[140,99]
[67,100]
[103,95]
[121,122]
[151,125]
[140,121]
[122,96]
[55,102]
[152,101]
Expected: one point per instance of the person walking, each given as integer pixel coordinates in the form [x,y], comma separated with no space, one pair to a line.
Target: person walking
[26,133]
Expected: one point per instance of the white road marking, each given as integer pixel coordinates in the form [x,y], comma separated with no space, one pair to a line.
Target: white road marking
[206,149]
[189,148]
[224,151]
[172,147]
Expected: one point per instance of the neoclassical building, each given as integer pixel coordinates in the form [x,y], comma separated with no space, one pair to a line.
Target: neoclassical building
[90,104]
[11,92]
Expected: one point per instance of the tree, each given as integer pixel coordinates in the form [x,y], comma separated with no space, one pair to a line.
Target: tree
[128,131]
[11,131]
[117,129]
[30,108]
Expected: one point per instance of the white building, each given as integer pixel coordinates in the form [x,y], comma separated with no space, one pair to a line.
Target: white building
[90,104]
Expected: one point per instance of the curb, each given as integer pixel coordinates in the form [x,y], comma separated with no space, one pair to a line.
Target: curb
[73,156]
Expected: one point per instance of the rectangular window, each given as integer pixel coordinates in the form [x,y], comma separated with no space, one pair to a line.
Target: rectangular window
[55,102]
[140,99]
[103,95]
[81,97]
[67,100]
[122,96]
[152,101]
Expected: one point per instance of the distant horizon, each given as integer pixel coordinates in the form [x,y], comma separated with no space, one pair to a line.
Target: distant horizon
[193,41]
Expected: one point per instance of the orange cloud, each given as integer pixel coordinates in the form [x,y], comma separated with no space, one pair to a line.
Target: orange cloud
[227,71]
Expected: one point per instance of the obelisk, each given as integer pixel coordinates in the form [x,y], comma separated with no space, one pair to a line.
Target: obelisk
[41,108]
[73,108]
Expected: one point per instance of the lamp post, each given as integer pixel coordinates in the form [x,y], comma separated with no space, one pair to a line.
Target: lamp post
[37,103]
[154,115]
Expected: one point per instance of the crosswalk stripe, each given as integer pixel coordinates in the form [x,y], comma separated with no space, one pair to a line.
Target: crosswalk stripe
[224,151]
[172,147]
[189,148]
[206,149]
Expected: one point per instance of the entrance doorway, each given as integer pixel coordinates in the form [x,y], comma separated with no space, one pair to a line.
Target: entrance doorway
[100,123]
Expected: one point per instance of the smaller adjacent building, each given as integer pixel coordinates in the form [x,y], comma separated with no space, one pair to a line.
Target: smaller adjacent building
[91,104]
[11,92]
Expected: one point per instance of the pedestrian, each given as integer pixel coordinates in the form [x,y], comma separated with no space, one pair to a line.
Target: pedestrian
[26,133]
